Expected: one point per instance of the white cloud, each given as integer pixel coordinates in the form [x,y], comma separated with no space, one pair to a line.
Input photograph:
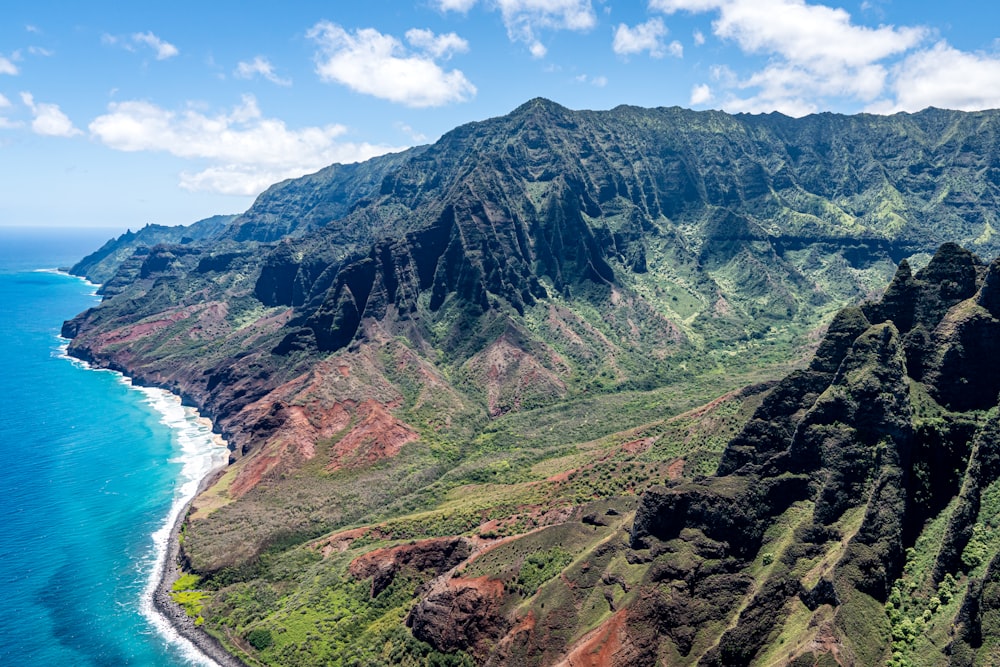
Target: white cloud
[943,76]
[646,36]
[40,51]
[598,81]
[437,46]
[49,120]
[724,74]
[246,151]
[262,67]
[800,32]
[462,6]
[699,37]
[375,64]
[7,67]
[6,123]
[524,19]
[701,94]
[816,53]
[414,135]
[163,49]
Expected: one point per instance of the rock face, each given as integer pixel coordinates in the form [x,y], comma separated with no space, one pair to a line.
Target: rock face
[850,436]
[435,556]
[461,616]
[410,335]
[102,265]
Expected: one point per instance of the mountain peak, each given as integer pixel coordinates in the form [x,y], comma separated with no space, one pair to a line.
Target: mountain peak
[536,104]
[477,360]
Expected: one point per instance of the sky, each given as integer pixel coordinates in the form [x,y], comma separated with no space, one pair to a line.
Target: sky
[123,114]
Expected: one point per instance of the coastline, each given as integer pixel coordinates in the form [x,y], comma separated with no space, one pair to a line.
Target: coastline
[171,612]
[169,618]
[174,625]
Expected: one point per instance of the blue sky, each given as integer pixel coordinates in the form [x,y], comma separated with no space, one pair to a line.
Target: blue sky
[119,114]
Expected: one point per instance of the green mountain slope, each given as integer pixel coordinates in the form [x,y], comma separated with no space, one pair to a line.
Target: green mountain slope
[102,265]
[490,343]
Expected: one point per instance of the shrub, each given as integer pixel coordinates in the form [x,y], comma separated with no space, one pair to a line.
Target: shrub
[260,638]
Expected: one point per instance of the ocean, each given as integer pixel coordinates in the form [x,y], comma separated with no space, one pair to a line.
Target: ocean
[92,473]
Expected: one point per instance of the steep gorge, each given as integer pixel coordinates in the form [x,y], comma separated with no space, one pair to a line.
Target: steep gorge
[495,338]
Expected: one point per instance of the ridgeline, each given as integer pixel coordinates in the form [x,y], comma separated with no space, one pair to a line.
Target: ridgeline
[602,387]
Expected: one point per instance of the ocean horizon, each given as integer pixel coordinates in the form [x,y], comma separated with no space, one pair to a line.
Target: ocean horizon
[96,471]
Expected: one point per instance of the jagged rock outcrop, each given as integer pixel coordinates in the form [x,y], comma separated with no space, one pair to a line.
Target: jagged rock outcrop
[388,339]
[855,424]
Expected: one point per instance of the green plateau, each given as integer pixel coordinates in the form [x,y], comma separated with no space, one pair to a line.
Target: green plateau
[624,387]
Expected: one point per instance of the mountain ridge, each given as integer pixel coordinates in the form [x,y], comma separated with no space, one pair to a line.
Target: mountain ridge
[491,312]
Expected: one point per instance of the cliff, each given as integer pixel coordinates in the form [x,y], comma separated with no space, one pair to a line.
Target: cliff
[503,338]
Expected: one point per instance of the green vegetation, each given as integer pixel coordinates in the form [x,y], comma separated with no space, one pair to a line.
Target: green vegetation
[185,593]
[540,567]
[494,384]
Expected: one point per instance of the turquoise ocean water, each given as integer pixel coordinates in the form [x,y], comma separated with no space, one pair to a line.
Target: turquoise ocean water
[92,471]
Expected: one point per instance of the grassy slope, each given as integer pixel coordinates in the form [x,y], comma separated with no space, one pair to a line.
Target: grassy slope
[705,315]
[527,500]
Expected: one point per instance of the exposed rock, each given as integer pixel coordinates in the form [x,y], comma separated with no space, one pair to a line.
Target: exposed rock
[433,556]
[465,615]
[360,334]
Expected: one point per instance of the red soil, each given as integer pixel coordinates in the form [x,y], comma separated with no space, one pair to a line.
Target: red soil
[378,435]
[676,469]
[599,646]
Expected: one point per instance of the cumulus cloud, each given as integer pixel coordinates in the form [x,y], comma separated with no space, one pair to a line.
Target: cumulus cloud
[380,65]
[646,36]
[943,76]
[701,94]
[163,49]
[49,120]
[7,66]
[245,152]
[526,19]
[800,32]
[261,67]
[816,53]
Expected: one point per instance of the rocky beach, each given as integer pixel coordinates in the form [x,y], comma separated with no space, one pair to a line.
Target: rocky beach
[172,613]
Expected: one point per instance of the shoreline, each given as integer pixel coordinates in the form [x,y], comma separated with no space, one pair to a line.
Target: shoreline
[175,627]
[173,613]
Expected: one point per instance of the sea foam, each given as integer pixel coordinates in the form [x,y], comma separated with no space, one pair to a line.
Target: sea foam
[201,453]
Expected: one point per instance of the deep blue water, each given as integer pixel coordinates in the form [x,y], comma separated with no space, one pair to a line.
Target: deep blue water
[90,470]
